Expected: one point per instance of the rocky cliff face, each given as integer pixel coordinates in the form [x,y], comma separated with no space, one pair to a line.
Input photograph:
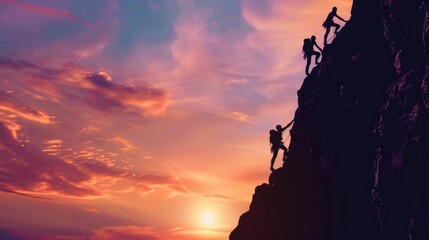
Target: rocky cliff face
[358,166]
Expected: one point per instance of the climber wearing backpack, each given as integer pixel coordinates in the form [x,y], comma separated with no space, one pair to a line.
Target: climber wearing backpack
[329,22]
[308,51]
[276,141]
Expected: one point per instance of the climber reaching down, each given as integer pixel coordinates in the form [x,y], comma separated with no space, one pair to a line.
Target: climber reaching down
[308,51]
[276,141]
[329,22]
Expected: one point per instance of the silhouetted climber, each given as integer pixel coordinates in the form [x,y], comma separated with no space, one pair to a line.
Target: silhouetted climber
[308,50]
[276,140]
[329,22]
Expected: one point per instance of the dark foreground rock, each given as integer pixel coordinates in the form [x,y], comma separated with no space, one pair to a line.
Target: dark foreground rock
[358,166]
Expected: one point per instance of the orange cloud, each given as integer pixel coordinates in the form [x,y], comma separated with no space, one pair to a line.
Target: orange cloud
[28,113]
[12,127]
[96,89]
[126,145]
[13,107]
[125,232]
[149,233]
[26,171]
[219,196]
[152,101]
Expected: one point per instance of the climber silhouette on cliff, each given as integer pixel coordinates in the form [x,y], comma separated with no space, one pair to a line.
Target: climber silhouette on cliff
[308,51]
[329,22]
[276,141]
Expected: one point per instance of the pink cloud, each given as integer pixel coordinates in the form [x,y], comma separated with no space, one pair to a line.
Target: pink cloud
[24,20]
[57,166]
[29,171]
[96,89]
[39,9]
[194,49]
[108,94]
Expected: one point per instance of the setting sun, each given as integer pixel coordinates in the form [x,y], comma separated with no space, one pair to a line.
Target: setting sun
[208,219]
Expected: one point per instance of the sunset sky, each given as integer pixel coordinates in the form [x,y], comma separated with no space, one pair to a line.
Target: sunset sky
[143,119]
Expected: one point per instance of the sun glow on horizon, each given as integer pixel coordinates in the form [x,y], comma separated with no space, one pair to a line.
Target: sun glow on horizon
[208,219]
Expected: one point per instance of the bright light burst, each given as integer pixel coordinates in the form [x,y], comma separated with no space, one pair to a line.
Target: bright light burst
[208,218]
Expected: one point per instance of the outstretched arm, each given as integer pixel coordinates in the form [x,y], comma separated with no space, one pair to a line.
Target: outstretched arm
[288,125]
[321,50]
[340,18]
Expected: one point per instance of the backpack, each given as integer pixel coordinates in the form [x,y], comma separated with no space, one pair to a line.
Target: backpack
[274,137]
[307,47]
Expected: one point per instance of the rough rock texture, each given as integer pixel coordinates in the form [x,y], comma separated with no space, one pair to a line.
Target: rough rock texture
[358,165]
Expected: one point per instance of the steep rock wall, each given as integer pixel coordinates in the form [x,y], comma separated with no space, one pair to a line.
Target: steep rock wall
[358,164]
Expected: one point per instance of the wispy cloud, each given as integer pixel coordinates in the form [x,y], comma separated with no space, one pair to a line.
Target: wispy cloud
[110,95]
[59,166]
[149,233]
[219,196]
[44,10]
[13,107]
[27,171]
[125,232]
[96,89]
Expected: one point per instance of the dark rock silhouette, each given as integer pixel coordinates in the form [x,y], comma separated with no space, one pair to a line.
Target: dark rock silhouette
[358,162]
